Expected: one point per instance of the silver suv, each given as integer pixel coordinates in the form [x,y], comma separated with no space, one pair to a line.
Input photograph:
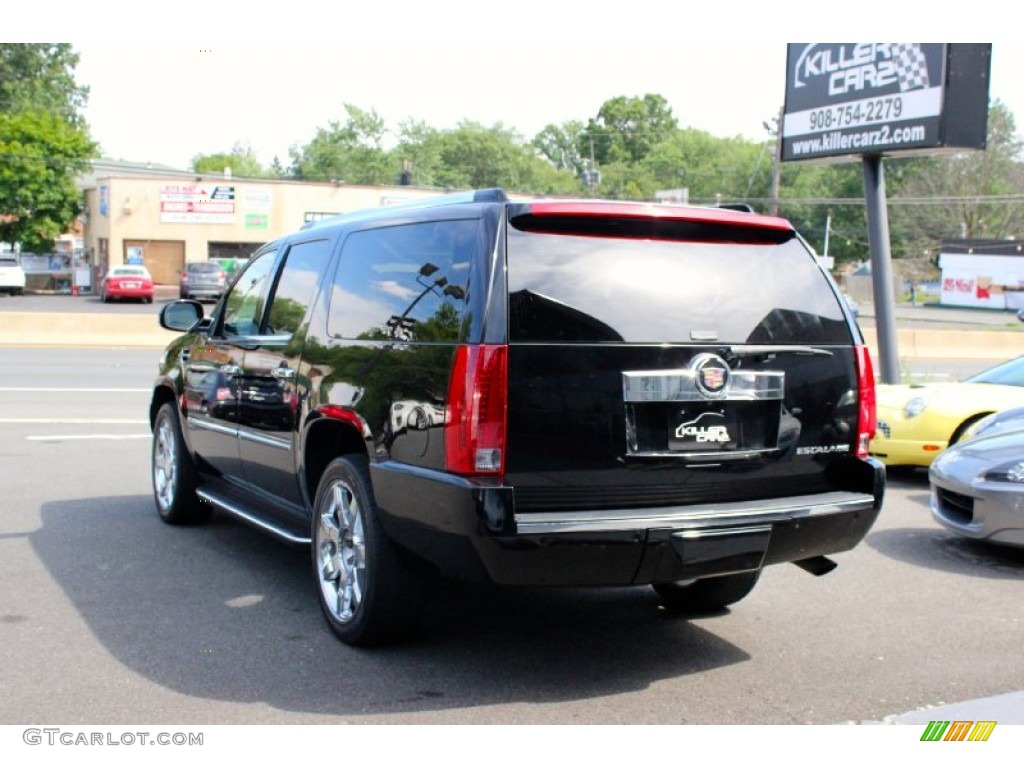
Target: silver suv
[203,280]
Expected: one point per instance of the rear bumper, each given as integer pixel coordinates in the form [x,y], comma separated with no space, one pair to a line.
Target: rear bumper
[468,530]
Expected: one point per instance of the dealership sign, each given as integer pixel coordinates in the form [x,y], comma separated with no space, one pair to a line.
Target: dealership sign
[845,100]
[197,204]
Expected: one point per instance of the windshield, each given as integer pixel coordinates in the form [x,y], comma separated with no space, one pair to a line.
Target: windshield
[1010,373]
[578,288]
[129,272]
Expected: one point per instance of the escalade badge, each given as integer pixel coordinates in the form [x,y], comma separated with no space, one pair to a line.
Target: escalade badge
[711,374]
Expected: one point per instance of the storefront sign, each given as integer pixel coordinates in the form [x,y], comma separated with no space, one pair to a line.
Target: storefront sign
[197,204]
[845,100]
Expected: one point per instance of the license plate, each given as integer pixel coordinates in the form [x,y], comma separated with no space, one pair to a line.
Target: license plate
[704,430]
[130,286]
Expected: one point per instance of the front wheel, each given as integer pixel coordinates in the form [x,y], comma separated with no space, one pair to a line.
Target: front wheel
[710,594]
[174,473]
[368,593]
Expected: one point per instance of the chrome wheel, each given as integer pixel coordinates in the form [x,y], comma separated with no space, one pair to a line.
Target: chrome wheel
[341,552]
[368,593]
[165,465]
[174,475]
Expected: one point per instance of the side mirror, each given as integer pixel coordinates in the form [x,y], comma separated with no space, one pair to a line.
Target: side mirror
[181,315]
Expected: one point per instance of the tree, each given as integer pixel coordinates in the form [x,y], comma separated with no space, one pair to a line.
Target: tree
[952,196]
[711,168]
[41,76]
[419,149]
[626,128]
[560,144]
[44,143]
[350,151]
[241,160]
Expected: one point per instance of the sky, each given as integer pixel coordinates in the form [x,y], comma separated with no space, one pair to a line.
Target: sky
[154,97]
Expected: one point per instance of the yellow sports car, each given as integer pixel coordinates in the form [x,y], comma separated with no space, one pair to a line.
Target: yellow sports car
[917,422]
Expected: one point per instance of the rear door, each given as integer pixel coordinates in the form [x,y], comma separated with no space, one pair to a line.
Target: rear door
[270,384]
[659,363]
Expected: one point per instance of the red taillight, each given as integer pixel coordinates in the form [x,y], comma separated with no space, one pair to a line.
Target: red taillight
[474,431]
[184,277]
[866,422]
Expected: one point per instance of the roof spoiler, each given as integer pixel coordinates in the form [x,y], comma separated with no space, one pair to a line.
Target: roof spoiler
[495,195]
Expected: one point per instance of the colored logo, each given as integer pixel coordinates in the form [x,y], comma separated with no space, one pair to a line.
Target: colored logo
[958,730]
[711,374]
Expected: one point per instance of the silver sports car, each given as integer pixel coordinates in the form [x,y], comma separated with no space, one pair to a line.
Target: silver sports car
[977,486]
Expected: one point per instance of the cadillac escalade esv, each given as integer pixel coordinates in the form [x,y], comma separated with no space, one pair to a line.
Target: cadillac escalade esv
[532,393]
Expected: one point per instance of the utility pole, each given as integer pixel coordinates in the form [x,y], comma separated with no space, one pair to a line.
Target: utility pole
[777,163]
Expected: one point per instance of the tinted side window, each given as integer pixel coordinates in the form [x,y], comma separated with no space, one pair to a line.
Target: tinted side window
[243,308]
[406,282]
[568,288]
[302,267]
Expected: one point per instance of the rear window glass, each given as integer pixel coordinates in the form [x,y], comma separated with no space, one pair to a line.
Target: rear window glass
[572,288]
[406,282]
[205,268]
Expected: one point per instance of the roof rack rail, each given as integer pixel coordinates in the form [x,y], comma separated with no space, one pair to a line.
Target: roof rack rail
[495,195]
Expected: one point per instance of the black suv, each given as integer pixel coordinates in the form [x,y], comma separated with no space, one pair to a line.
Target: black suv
[531,393]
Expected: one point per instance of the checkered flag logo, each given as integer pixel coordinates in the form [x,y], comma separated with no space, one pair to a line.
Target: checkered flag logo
[911,67]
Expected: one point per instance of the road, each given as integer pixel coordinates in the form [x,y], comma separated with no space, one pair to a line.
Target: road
[119,618]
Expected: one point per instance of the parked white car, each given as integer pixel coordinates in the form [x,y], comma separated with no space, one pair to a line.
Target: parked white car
[12,276]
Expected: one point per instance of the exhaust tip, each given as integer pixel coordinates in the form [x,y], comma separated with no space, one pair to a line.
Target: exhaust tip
[817,566]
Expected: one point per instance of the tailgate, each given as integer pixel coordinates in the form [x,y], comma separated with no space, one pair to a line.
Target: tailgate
[599,427]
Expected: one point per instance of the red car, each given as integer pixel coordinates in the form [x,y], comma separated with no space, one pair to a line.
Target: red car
[127,282]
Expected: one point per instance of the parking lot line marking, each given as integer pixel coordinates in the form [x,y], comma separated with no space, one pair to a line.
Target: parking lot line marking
[74,389]
[55,438]
[74,421]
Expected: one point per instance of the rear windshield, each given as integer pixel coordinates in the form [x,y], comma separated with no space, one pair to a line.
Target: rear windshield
[205,268]
[1010,373]
[129,272]
[573,288]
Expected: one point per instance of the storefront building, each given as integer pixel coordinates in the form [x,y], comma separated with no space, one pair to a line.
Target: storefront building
[983,273]
[163,218]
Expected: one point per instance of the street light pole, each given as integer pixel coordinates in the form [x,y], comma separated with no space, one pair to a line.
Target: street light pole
[777,163]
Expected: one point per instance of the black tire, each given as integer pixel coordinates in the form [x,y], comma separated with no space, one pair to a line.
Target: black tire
[710,594]
[367,592]
[958,433]
[174,473]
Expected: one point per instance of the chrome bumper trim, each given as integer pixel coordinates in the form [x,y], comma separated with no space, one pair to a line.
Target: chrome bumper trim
[694,517]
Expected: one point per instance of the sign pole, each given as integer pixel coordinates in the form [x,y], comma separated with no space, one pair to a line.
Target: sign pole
[881,268]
